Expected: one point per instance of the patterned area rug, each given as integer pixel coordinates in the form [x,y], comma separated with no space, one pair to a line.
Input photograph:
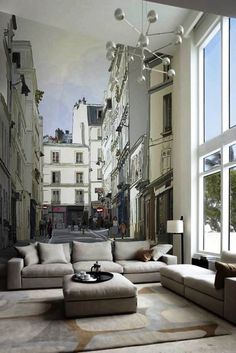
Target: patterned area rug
[33,321]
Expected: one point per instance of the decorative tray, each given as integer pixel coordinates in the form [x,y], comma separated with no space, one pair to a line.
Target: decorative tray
[94,277]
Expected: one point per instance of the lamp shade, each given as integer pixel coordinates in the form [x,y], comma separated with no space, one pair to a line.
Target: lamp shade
[175,227]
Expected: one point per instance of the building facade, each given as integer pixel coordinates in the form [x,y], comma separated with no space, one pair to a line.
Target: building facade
[73,186]
[5,176]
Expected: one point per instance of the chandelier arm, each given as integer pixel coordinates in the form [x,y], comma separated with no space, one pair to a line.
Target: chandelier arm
[148,27]
[132,26]
[157,56]
[159,33]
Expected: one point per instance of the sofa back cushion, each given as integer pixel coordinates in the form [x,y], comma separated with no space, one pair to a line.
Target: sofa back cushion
[52,253]
[127,250]
[98,251]
[159,250]
[228,257]
[29,254]
[223,270]
[67,251]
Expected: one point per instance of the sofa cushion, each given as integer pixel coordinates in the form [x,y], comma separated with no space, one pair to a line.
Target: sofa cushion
[117,287]
[223,270]
[52,253]
[67,251]
[127,250]
[228,256]
[204,284]
[160,250]
[135,266]
[47,270]
[144,255]
[106,266]
[98,251]
[29,254]
[178,272]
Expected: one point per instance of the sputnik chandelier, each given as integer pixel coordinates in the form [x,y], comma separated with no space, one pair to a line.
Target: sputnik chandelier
[142,47]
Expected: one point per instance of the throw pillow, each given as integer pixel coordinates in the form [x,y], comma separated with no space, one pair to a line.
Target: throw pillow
[29,254]
[144,255]
[223,270]
[52,253]
[160,250]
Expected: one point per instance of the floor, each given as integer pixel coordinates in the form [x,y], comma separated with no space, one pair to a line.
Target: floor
[220,344]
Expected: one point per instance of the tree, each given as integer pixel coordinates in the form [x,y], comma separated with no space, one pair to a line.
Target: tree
[212,201]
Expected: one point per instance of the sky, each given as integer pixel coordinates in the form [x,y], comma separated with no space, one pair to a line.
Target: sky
[68,41]
[68,67]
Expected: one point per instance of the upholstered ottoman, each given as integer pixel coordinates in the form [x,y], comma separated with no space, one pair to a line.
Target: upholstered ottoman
[116,296]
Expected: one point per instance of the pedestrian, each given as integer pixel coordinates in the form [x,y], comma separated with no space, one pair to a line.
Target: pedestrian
[49,228]
[114,229]
[122,228]
[42,227]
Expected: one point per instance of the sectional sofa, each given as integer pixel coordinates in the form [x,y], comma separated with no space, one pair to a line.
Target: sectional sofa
[43,265]
[199,285]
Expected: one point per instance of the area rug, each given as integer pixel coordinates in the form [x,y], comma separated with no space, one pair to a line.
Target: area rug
[33,321]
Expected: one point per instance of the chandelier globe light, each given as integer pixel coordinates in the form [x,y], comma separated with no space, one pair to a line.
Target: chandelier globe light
[142,47]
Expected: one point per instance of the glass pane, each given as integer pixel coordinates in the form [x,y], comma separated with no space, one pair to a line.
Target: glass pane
[232,75]
[212,213]
[212,161]
[232,205]
[232,153]
[212,87]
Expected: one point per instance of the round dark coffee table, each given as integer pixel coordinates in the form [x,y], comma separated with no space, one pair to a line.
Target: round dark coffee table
[96,277]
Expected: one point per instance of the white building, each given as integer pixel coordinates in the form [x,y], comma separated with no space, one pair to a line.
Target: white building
[73,171]
[24,140]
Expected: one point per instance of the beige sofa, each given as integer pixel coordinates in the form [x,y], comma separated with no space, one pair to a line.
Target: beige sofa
[45,265]
[197,284]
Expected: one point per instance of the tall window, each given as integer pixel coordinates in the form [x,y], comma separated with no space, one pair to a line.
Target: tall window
[79,157]
[56,177]
[212,87]
[99,174]
[79,178]
[232,61]
[217,158]
[55,157]
[167,113]
[56,196]
[79,196]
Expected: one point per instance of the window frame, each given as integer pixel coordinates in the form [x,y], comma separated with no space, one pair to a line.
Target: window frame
[221,143]
[52,159]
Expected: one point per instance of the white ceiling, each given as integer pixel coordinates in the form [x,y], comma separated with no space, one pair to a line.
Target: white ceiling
[68,40]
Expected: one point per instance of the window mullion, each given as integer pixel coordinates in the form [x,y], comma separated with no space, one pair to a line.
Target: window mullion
[225,199]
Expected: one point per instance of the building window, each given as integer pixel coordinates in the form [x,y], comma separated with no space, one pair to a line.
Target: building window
[19,126]
[167,113]
[56,177]
[99,154]
[79,196]
[79,178]
[18,165]
[217,158]
[79,157]
[99,134]
[55,157]
[99,174]
[56,196]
